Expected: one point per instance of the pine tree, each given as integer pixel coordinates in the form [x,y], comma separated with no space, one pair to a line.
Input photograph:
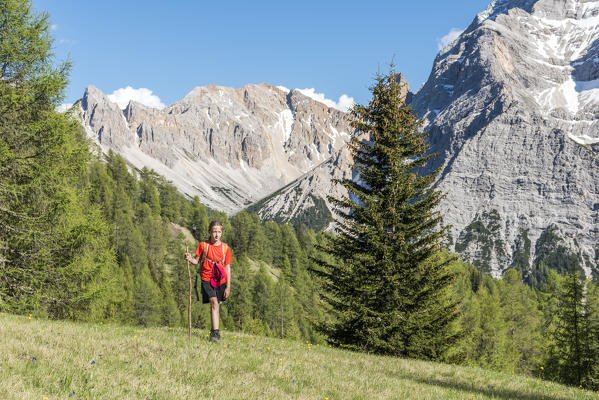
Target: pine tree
[148,302]
[148,192]
[241,307]
[198,223]
[570,335]
[591,353]
[170,313]
[388,288]
[265,309]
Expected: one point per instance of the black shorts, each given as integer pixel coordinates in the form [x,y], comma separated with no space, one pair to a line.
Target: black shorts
[208,291]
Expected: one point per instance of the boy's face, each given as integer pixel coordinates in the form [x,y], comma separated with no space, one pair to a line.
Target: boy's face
[216,233]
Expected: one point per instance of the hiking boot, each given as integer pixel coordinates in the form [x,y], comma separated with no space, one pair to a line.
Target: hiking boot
[214,335]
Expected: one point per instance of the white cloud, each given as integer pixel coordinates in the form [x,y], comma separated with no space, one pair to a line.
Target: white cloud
[123,96]
[450,37]
[53,27]
[343,104]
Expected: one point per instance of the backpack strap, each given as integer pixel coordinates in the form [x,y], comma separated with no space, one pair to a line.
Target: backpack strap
[205,254]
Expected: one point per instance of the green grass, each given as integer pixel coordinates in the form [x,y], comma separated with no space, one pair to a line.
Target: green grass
[65,360]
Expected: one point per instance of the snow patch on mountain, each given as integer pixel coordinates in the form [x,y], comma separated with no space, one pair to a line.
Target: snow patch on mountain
[564,95]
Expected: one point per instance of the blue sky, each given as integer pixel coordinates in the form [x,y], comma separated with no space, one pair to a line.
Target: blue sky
[334,47]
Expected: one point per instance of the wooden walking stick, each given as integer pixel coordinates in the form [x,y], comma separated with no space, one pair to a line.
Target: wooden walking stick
[188,308]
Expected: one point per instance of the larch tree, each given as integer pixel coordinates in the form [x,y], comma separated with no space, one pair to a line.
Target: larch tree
[54,253]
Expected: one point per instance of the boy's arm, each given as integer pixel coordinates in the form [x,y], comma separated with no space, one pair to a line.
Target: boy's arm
[194,260]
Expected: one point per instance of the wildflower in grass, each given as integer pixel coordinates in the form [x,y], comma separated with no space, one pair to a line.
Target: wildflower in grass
[34,359]
[29,316]
[93,362]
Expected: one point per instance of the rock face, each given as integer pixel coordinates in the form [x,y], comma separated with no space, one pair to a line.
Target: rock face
[230,147]
[512,109]
[304,200]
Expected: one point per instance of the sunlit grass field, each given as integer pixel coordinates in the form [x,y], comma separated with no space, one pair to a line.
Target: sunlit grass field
[41,359]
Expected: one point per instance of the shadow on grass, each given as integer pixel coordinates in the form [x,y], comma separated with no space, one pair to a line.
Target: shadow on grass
[490,391]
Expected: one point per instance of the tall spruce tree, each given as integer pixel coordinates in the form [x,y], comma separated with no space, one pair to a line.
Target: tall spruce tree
[571,353]
[388,284]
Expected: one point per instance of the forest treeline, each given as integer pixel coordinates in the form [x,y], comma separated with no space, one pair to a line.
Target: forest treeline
[84,236]
[272,290]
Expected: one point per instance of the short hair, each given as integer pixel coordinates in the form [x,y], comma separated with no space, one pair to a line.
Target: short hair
[213,224]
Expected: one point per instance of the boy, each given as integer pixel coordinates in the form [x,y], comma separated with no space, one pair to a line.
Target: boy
[215,273]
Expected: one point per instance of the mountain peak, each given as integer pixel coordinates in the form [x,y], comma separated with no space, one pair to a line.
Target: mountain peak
[231,147]
[512,108]
[550,9]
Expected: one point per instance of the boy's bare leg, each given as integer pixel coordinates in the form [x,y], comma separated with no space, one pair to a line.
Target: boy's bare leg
[214,312]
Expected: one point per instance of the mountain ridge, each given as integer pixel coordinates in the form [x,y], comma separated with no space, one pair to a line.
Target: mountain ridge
[516,133]
[230,147]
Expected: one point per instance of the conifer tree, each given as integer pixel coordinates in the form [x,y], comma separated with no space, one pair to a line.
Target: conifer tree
[148,192]
[571,356]
[198,221]
[148,302]
[49,236]
[591,352]
[522,322]
[170,313]
[241,308]
[388,286]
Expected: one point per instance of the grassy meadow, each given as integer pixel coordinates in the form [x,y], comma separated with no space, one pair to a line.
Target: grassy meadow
[41,359]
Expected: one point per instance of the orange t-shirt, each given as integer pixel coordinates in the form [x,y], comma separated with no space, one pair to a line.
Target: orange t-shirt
[215,253]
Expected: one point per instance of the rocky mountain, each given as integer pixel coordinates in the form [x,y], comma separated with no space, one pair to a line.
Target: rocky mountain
[302,200]
[512,109]
[511,106]
[231,147]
